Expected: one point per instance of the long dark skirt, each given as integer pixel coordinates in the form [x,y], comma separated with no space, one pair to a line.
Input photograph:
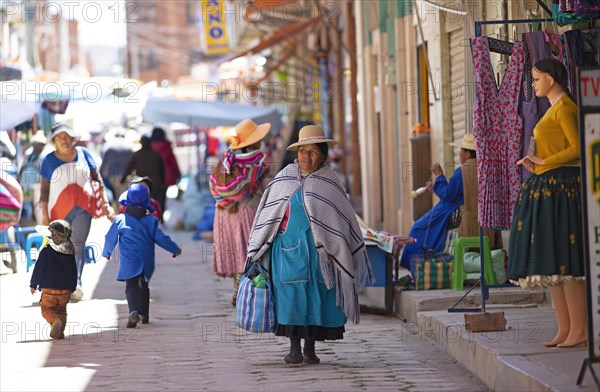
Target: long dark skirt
[313,332]
[546,236]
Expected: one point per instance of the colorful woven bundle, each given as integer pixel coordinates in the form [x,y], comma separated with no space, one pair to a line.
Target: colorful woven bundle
[237,177]
[10,207]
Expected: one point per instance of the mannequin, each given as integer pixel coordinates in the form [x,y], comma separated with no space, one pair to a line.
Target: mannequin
[533,263]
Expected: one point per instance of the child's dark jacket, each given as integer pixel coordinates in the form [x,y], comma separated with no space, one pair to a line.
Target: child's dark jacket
[54,270]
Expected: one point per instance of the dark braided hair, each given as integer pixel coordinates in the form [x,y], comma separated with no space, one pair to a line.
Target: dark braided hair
[556,69]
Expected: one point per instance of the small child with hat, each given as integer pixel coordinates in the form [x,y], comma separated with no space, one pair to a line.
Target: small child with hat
[136,231]
[150,185]
[55,275]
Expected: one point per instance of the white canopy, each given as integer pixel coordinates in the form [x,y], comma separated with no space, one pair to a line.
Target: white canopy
[196,112]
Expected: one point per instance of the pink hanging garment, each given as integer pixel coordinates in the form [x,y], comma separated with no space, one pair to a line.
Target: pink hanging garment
[497,129]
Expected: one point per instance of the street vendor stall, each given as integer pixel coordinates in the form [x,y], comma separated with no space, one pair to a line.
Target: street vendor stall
[384,250]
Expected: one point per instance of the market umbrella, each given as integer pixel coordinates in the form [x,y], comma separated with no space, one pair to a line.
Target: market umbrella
[15,110]
[212,114]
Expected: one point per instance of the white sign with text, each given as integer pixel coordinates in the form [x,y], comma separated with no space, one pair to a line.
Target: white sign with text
[591,133]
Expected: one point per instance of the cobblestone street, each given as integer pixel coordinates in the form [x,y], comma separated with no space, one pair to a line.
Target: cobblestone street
[192,341]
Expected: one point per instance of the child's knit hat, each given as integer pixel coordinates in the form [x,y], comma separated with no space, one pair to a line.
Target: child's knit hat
[59,236]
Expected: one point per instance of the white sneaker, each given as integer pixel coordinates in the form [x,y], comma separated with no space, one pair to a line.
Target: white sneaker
[77,295]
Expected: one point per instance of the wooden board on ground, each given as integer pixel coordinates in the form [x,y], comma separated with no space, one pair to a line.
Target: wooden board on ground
[485,322]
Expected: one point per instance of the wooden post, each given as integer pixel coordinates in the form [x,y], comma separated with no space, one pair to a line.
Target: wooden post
[350,43]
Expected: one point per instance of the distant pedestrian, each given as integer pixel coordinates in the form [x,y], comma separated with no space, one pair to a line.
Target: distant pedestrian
[136,232]
[55,275]
[116,153]
[237,184]
[148,163]
[66,192]
[160,144]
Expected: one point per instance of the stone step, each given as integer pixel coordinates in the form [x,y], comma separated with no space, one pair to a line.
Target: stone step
[407,304]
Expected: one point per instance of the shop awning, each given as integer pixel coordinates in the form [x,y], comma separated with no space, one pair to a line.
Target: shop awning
[212,114]
[454,7]
[286,32]
[270,8]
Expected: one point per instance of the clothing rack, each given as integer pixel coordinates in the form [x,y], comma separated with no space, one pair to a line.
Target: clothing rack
[485,288]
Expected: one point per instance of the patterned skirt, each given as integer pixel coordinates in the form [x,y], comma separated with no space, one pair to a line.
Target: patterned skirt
[231,233]
[546,238]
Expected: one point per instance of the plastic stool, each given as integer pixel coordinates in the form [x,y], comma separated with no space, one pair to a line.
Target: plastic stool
[6,245]
[89,254]
[21,234]
[461,244]
[33,240]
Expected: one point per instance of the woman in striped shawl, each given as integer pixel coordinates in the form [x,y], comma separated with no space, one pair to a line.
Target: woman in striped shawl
[236,185]
[307,237]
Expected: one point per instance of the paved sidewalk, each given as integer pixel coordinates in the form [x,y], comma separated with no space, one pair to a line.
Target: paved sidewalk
[515,359]
[193,344]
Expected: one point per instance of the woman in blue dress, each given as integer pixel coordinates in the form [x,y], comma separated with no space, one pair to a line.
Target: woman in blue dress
[306,234]
[430,229]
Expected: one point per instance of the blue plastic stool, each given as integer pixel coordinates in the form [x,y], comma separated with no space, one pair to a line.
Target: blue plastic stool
[21,234]
[89,254]
[33,240]
[6,245]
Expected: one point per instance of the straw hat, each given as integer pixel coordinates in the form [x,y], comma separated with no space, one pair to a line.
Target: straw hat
[39,137]
[311,134]
[468,143]
[247,133]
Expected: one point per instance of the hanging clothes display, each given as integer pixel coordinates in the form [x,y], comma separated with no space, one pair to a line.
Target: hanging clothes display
[497,128]
[587,8]
[537,45]
[580,48]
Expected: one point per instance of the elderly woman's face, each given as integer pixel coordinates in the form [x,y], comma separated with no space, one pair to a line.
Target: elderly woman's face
[309,158]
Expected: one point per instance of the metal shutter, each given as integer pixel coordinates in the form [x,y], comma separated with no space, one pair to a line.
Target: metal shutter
[457,80]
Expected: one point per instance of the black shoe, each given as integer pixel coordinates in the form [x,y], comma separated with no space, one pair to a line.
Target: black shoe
[133,320]
[293,358]
[309,352]
[145,319]
[311,359]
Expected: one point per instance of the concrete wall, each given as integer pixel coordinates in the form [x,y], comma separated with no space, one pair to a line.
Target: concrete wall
[387,110]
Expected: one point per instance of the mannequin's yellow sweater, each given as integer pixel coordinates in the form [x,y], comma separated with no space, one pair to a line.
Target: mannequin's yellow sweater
[557,136]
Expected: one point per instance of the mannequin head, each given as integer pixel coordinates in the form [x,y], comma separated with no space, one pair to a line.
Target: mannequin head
[550,78]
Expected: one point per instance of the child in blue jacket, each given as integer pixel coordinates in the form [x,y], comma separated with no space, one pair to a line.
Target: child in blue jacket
[136,231]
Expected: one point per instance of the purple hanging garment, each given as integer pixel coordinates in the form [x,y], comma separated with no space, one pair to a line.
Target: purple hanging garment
[532,107]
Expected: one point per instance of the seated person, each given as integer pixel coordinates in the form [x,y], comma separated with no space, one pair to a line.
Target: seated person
[430,229]
[469,224]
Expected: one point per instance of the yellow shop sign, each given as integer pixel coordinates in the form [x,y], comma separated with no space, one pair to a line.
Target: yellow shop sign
[215,27]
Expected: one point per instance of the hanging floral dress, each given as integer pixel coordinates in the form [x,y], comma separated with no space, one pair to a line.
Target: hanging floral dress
[497,129]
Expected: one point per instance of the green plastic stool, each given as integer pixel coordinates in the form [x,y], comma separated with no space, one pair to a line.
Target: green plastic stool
[461,244]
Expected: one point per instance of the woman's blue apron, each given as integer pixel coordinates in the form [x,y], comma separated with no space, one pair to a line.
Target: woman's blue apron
[301,296]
